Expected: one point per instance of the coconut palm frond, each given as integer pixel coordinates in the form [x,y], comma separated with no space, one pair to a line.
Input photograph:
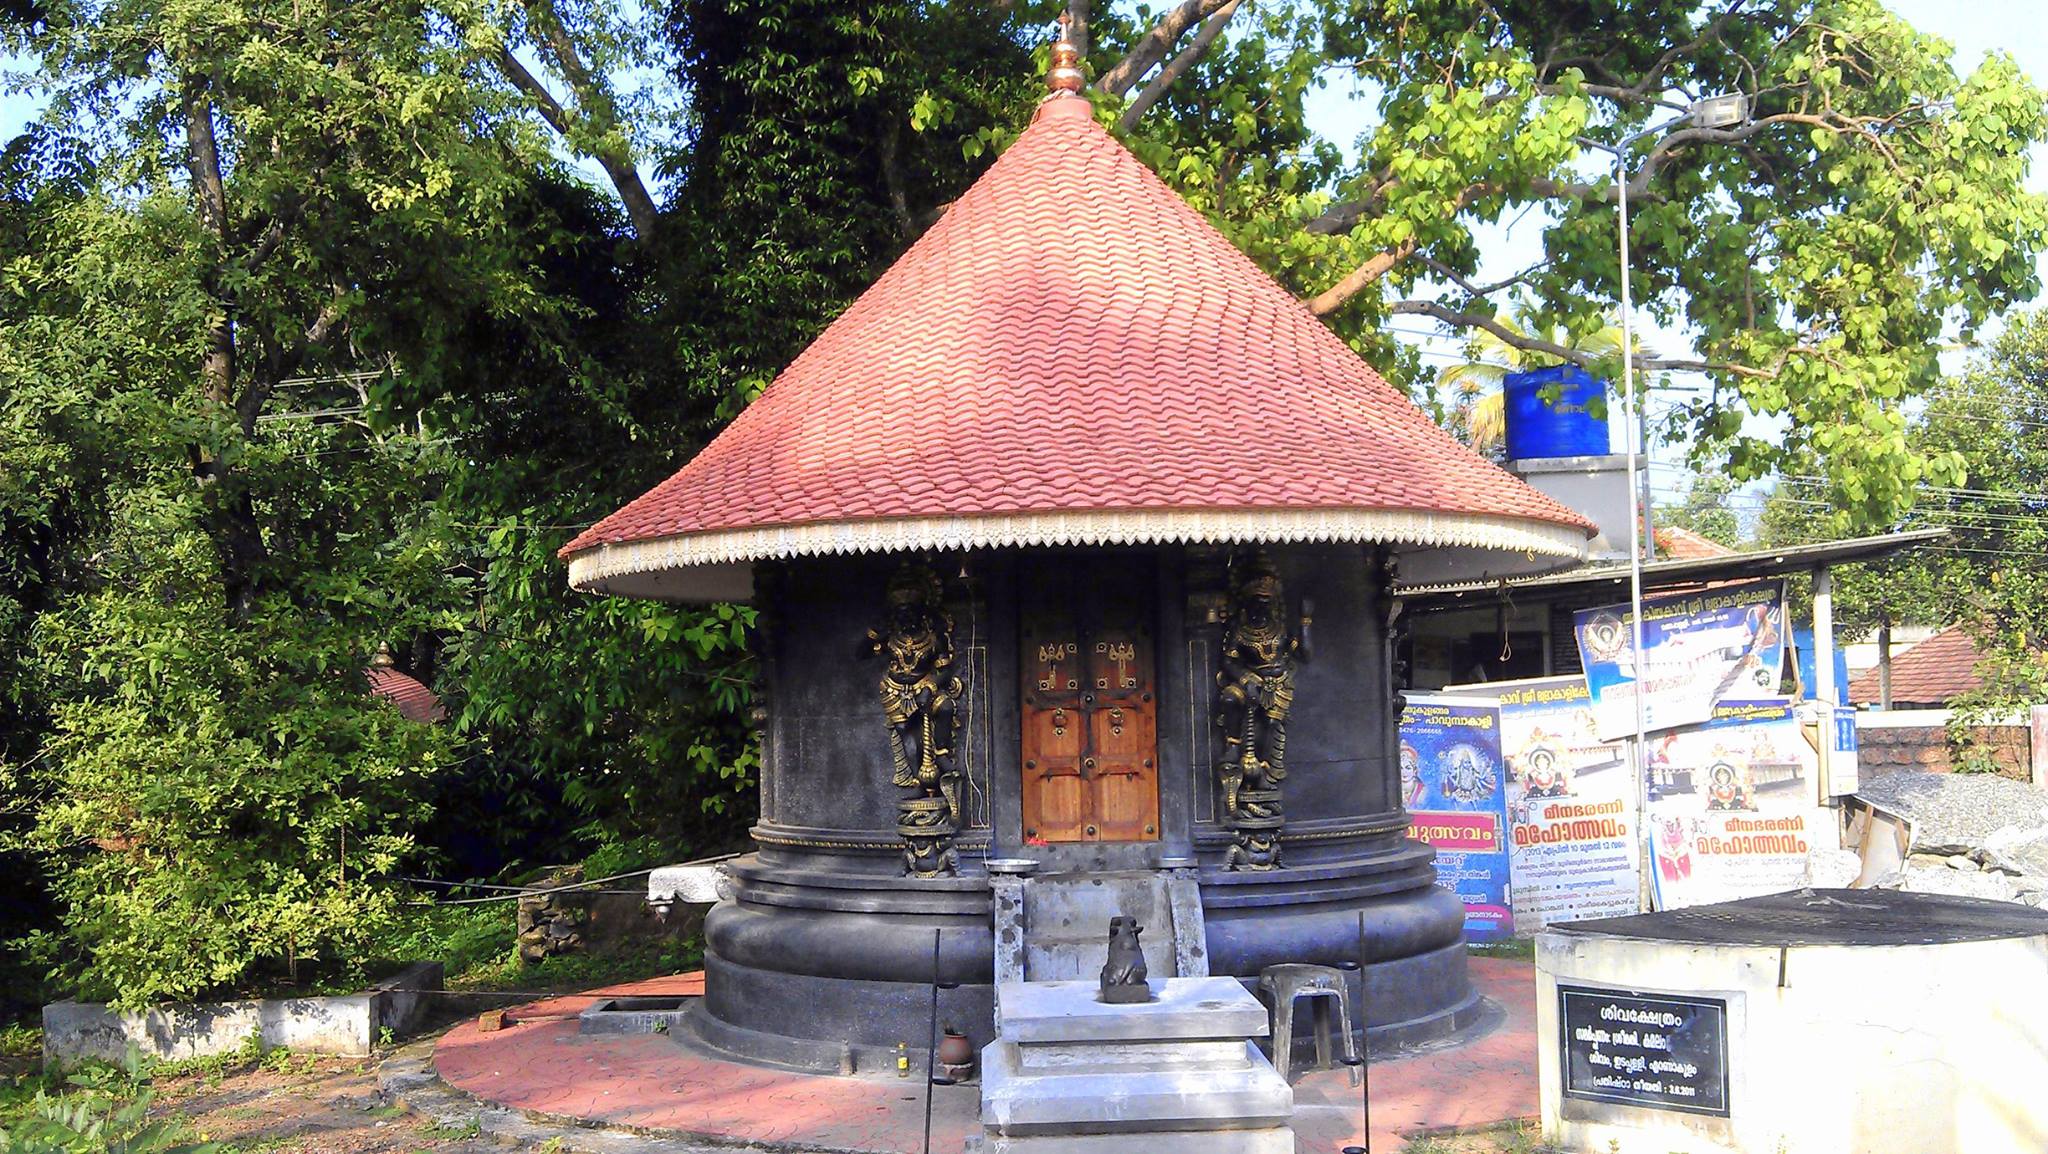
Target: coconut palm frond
[1486,422]
[1470,378]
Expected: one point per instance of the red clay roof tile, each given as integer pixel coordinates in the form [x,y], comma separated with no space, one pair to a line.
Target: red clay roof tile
[1071,336]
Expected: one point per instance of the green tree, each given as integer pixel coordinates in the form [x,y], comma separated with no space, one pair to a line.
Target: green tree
[221,511]
[1987,574]
[1706,509]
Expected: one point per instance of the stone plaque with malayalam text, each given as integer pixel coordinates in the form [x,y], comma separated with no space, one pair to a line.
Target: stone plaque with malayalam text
[1659,1051]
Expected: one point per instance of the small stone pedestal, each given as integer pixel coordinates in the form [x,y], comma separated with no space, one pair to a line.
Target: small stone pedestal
[1072,1075]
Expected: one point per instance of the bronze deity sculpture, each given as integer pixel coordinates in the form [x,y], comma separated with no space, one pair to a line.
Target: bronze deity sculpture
[1262,646]
[920,698]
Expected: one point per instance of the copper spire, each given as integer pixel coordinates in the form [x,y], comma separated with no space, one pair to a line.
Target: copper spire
[1065,78]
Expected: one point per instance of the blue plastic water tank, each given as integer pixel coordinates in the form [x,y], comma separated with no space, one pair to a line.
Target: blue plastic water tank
[1566,427]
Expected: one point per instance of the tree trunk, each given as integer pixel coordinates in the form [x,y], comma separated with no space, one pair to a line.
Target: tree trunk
[229,517]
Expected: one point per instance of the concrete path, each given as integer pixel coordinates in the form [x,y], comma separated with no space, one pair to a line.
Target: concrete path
[540,1071]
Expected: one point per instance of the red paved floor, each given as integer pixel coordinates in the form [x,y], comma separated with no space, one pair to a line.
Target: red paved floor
[647,1081]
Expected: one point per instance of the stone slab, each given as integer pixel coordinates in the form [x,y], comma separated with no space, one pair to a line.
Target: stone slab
[691,884]
[1073,1057]
[1014,1101]
[1007,894]
[1273,1140]
[1190,931]
[1190,1008]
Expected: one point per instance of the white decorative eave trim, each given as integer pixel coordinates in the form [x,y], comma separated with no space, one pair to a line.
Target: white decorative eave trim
[717,566]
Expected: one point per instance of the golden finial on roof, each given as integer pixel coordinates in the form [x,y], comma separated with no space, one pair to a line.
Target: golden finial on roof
[1065,78]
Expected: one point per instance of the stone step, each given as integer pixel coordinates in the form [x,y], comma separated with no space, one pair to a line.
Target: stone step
[1271,1140]
[1017,1102]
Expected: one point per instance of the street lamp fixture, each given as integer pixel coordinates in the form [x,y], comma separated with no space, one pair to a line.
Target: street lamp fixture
[1723,111]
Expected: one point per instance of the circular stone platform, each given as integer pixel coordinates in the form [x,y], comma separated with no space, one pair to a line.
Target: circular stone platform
[542,1068]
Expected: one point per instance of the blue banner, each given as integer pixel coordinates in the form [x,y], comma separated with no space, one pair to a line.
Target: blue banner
[1453,788]
[1699,649]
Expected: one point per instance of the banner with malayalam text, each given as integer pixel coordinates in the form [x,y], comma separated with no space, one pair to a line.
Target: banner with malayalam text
[1732,811]
[1451,787]
[1721,644]
[1571,803]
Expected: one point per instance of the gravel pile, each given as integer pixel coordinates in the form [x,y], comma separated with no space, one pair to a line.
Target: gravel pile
[1976,835]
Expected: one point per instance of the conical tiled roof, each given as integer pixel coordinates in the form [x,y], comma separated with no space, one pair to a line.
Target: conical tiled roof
[1072,355]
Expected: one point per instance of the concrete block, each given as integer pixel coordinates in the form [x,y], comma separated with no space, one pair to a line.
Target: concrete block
[350,1024]
[1186,1008]
[1127,1100]
[633,1015]
[1268,1140]
[1067,919]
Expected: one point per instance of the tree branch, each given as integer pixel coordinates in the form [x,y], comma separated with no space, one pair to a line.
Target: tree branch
[596,113]
[1331,299]
[1481,290]
[1178,66]
[286,361]
[1451,316]
[209,192]
[1153,46]
[550,109]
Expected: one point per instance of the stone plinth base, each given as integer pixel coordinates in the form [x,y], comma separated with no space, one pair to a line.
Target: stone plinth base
[1815,1021]
[1072,1075]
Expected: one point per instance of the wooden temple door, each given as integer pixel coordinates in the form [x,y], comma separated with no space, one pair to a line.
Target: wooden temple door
[1090,709]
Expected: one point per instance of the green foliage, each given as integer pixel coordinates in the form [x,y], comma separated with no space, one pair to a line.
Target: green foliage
[1817,255]
[1988,574]
[97,1110]
[212,551]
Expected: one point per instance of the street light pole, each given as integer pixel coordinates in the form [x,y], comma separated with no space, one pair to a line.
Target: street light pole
[1633,435]
[1710,112]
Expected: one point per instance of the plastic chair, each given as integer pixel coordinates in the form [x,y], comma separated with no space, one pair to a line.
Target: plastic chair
[1281,986]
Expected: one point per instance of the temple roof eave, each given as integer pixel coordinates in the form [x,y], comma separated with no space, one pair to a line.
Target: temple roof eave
[717,565]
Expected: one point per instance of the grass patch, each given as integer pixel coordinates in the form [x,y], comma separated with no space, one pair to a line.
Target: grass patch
[21,1040]
[627,961]
[1510,1138]
[1521,949]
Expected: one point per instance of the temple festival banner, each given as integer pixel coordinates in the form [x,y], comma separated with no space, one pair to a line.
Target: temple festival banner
[1451,787]
[1699,649]
[1731,810]
[1573,828]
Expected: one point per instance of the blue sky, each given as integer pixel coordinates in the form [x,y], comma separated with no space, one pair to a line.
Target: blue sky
[1973,27]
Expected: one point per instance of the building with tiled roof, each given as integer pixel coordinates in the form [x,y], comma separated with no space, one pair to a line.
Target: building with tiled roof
[408,693]
[1926,675]
[1678,544]
[1072,355]
[1072,540]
